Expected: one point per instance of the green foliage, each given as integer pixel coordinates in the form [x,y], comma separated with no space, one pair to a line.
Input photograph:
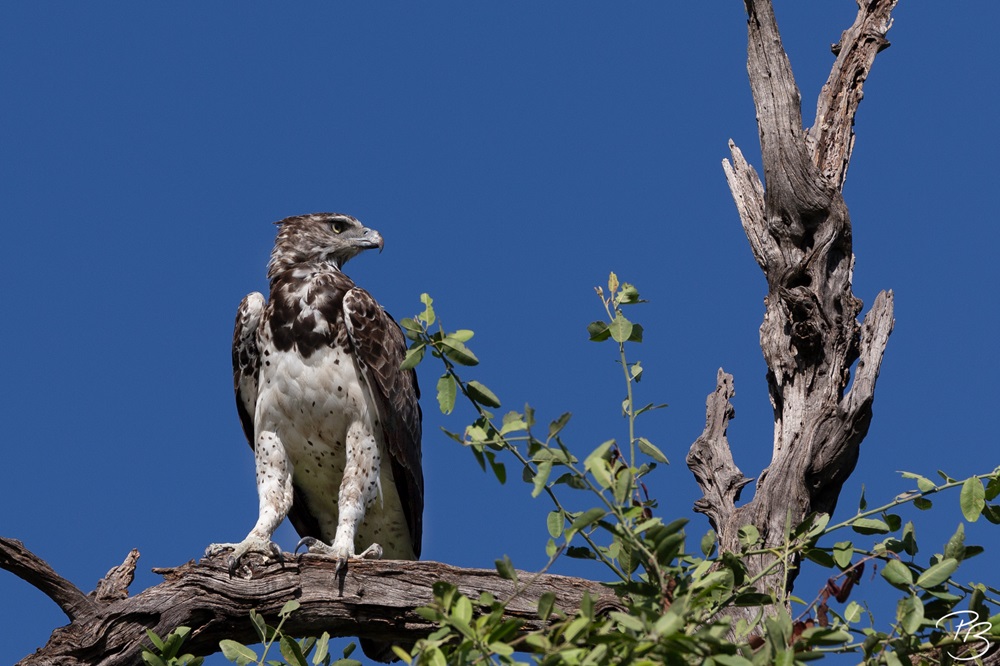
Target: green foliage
[301,652]
[165,651]
[677,599]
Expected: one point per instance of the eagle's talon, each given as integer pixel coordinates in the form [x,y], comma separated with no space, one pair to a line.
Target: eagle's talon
[308,542]
[341,554]
[251,544]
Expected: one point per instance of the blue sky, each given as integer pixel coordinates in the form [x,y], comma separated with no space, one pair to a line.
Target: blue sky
[511,155]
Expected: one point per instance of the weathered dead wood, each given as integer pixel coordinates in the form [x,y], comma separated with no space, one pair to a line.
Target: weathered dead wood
[800,234]
[375,599]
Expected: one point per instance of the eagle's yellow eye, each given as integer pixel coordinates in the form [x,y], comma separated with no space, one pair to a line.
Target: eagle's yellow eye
[337,226]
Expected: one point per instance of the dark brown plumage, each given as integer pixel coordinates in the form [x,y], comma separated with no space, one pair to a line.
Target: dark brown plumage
[334,423]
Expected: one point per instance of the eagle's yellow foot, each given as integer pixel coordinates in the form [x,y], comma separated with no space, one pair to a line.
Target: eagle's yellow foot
[341,554]
[252,544]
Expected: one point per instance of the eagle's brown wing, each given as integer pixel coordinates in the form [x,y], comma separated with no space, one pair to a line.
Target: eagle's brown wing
[379,347]
[246,359]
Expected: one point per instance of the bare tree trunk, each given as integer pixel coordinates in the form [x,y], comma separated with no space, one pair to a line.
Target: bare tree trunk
[375,599]
[800,234]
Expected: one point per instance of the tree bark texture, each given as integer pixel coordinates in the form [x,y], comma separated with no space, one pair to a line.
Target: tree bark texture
[375,599]
[800,234]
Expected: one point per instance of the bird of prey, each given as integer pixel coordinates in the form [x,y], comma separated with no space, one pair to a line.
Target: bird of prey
[333,421]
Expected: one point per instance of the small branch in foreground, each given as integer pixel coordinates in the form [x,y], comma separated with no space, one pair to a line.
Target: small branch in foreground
[375,599]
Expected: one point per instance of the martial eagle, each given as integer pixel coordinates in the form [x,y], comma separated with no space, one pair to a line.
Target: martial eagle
[333,421]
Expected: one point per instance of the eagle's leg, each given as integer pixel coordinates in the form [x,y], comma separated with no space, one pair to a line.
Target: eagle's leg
[359,488]
[274,491]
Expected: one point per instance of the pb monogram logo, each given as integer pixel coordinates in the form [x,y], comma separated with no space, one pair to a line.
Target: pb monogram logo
[969,631]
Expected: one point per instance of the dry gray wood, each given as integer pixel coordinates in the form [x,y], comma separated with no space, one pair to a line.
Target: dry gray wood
[800,234]
[375,599]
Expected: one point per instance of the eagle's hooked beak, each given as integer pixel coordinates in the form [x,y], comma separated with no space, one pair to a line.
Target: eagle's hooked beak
[369,240]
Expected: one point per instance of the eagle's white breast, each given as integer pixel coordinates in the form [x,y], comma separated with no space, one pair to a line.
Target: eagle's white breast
[307,406]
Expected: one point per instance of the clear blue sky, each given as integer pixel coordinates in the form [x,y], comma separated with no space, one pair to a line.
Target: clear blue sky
[511,155]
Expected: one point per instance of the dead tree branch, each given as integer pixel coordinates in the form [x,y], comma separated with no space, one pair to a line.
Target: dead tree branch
[800,234]
[375,599]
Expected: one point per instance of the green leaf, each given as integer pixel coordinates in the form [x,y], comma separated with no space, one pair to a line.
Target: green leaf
[513,422]
[708,543]
[427,316]
[955,547]
[556,426]
[598,331]
[869,526]
[323,649]
[650,450]
[635,371]
[922,503]
[586,518]
[627,621]
[152,659]
[620,328]
[910,539]
[843,551]
[972,499]
[622,487]
[820,557]
[601,471]
[458,352]
[748,536]
[505,568]
[910,613]
[732,660]
[541,478]
[259,625]
[289,608]
[545,604]
[993,489]
[499,469]
[482,395]
[447,390]
[580,553]
[463,610]
[897,574]
[554,523]
[992,513]
[628,295]
[237,652]
[414,355]
[600,452]
[938,573]
[826,636]
[292,652]
[157,641]
[411,328]
[462,335]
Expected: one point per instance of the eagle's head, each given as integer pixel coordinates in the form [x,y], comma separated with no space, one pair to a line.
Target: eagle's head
[323,238]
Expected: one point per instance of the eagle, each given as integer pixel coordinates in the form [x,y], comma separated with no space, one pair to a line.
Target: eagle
[332,419]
